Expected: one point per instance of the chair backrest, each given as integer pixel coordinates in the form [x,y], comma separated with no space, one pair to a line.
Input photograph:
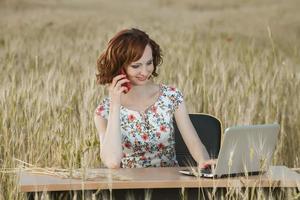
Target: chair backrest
[209,129]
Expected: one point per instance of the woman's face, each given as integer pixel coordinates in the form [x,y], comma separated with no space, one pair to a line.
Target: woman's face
[139,72]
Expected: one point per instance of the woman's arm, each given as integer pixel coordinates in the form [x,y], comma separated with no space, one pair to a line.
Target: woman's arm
[110,138]
[190,136]
[109,130]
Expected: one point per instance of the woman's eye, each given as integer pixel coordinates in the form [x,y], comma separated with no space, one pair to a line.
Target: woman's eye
[149,63]
[135,66]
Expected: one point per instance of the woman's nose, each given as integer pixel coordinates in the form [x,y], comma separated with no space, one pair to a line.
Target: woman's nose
[145,70]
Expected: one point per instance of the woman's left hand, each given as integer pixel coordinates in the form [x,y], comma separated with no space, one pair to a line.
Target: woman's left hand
[207,163]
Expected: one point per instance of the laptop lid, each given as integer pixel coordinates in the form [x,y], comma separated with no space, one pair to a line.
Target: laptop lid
[247,149]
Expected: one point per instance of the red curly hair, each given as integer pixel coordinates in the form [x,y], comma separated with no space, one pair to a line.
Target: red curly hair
[125,47]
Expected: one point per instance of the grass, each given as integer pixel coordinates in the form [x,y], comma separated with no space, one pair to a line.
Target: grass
[237,60]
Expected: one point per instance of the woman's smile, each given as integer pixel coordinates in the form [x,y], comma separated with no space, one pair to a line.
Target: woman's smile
[142,78]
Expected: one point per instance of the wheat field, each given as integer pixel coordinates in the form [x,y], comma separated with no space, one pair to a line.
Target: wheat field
[236,59]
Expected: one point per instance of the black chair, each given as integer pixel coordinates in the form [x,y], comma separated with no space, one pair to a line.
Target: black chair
[209,129]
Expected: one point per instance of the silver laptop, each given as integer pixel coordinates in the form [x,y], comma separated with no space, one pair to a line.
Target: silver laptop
[246,150]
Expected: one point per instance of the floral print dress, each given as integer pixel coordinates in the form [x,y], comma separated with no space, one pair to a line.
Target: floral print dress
[148,138]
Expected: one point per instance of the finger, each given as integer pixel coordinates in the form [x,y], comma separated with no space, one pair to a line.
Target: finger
[202,165]
[207,163]
[123,89]
[122,81]
[206,166]
[116,79]
[212,161]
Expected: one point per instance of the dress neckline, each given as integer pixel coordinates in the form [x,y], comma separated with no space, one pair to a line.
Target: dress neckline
[160,91]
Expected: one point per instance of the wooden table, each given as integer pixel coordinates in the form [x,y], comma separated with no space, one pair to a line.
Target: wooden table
[277,176]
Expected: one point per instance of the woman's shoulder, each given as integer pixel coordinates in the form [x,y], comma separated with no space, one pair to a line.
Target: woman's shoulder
[172,96]
[103,107]
[105,100]
[169,89]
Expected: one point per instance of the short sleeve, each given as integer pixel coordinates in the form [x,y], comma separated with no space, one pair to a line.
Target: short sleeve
[103,108]
[176,97]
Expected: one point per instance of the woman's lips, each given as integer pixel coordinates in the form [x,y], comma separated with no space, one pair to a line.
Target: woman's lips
[142,78]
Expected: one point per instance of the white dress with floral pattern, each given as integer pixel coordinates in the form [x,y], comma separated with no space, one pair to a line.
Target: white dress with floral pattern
[148,138]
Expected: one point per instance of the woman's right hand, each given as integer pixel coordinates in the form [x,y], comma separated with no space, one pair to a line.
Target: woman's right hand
[116,89]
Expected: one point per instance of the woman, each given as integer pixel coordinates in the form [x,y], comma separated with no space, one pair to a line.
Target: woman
[135,122]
